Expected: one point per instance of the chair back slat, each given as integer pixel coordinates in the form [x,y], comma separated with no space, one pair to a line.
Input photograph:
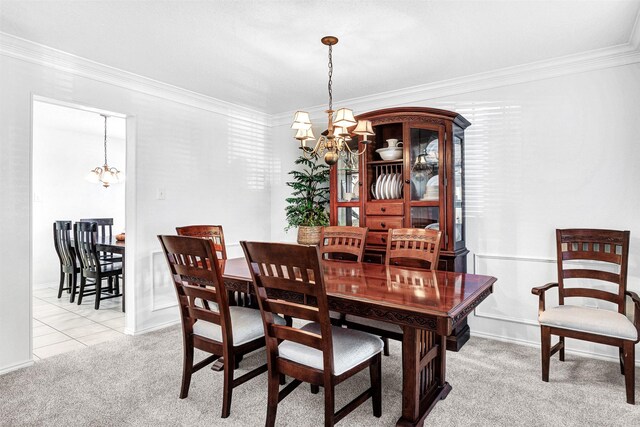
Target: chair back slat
[85,237]
[405,244]
[591,293]
[343,240]
[213,232]
[104,226]
[600,246]
[63,246]
[273,267]
[197,280]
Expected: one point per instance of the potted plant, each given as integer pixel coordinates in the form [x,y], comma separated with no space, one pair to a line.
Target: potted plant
[307,206]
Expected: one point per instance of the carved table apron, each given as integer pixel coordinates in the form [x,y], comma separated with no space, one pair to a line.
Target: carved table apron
[427,304]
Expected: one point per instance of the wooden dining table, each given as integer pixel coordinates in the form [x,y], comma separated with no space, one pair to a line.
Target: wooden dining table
[426,304]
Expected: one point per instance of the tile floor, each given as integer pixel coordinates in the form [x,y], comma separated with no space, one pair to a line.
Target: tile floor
[60,326]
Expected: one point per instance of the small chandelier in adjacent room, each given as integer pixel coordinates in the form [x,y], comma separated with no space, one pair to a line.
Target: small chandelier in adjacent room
[106,175]
[334,142]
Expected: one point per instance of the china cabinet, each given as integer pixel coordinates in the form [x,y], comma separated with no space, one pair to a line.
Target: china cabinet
[411,175]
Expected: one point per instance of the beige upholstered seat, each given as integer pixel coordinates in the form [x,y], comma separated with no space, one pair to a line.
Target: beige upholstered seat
[608,323]
[378,324]
[246,325]
[350,348]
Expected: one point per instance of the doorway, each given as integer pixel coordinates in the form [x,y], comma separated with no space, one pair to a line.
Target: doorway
[69,142]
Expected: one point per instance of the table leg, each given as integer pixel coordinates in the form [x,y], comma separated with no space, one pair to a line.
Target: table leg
[423,379]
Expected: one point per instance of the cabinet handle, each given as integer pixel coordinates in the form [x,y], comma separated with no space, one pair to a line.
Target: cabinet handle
[407,181]
[384,239]
[383,225]
[383,209]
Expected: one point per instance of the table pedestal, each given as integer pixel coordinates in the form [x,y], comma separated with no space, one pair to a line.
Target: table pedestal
[423,374]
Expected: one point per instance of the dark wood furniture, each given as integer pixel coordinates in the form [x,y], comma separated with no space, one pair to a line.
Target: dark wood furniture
[213,232]
[69,269]
[208,322]
[341,242]
[93,268]
[293,351]
[427,304]
[105,233]
[406,246]
[430,180]
[585,323]
[410,247]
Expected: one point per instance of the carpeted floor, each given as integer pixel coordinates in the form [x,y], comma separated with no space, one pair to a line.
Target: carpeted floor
[135,381]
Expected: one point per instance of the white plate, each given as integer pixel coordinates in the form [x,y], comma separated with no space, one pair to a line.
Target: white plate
[385,181]
[433,181]
[395,188]
[432,151]
[378,187]
[434,226]
[373,191]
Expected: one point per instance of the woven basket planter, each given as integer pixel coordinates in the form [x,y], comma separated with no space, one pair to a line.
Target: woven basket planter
[309,235]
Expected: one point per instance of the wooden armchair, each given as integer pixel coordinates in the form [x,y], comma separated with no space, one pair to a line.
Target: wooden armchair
[411,247]
[317,353]
[585,323]
[213,232]
[208,322]
[338,241]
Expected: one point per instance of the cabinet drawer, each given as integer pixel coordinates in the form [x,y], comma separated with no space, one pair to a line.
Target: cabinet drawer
[377,238]
[384,222]
[384,209]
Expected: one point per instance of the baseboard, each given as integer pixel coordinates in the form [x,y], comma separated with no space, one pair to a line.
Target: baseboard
[130,331]
[16,367]
[46,285]
[536,344]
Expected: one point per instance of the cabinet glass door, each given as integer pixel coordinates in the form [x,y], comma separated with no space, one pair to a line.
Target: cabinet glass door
[458,179]
[425,217]
[349,176]
[424,161]
[349,216]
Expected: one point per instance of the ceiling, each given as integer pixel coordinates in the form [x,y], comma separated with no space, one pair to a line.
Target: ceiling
[267,55]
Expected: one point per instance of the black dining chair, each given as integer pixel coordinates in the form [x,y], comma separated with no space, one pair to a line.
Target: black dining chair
[105,233]
[93,272]
[67,255]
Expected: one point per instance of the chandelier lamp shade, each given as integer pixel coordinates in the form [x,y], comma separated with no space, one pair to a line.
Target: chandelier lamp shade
[333,143]
[105,175]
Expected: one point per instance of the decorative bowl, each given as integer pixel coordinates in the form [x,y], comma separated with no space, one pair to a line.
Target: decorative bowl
[390,153]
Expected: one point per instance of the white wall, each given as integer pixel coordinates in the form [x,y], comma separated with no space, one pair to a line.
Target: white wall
[210,157]
[555,153]
[67,143]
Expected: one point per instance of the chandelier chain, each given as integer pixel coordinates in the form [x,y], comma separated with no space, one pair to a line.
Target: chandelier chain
[330,77]
[105,139]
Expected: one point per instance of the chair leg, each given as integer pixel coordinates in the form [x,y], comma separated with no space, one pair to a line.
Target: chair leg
[83,282]
[621,353]
[62,277]
[187,369]
[74,287]
[375,373]
[630,371]
[123,293]
[545,333]
[273,391]
[98,292]
[561,351]
[329,404]
[315,389]
[283,379]
[386,345]
[227,388]
[110,284]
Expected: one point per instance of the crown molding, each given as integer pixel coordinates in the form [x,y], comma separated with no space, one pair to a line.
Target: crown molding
[36,53]
[614,56]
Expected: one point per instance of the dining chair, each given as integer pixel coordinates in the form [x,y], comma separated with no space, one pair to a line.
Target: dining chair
[209,323]
[343,243]
[411,247]
[93,268]
[213,232]
[587,257]
[105,232]
[66,254]
[318,352]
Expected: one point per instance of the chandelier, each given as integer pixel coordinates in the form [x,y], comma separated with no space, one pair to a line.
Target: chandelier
[106,174]
[334,142]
